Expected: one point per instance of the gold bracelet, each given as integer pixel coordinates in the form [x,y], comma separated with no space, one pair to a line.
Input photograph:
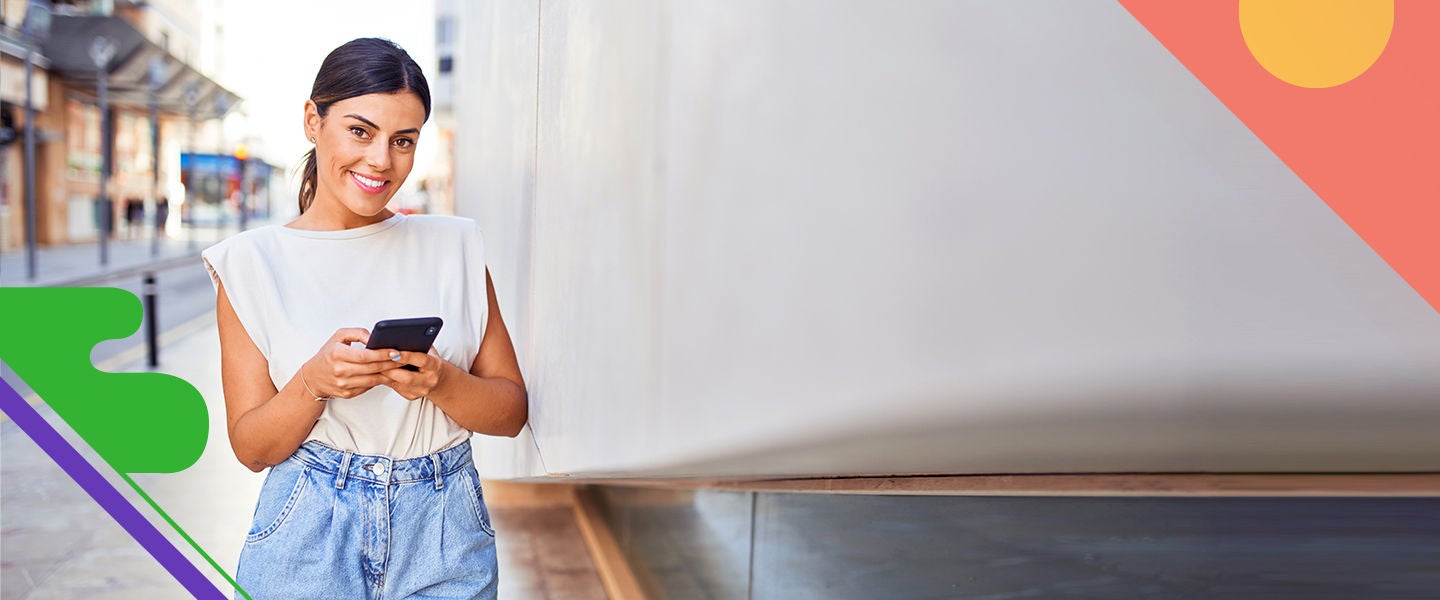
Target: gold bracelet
[318,398]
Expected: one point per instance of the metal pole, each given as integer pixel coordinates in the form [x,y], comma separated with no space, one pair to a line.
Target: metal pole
[243,196]
[107,210]
[221,176]
[152,327]
[155,173]
[191,186]
[30,217]
[102,49]
[222,105]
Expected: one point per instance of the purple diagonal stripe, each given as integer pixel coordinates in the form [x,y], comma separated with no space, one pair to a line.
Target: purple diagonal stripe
[105,494]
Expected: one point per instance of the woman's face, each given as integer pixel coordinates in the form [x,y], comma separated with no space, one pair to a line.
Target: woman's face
[364,149]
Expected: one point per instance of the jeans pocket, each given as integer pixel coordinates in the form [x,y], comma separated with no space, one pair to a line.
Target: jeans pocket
[275,504]
[477,501]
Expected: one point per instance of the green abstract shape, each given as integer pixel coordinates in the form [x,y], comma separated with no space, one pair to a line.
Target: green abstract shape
[136,422]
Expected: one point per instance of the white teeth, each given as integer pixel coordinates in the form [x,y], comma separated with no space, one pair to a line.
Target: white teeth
[367,181]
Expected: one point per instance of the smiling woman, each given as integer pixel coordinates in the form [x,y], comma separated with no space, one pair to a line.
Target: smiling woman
[364,154]
[383,101]
[372,490]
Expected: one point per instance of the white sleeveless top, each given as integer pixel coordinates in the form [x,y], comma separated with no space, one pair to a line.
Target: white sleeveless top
[293,288]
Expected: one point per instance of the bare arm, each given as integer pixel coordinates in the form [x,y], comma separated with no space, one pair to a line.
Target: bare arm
[490,398]
[267,425]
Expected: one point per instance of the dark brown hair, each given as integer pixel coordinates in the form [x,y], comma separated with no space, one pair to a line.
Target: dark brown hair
[359,67]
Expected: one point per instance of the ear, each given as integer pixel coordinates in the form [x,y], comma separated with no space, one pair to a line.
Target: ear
[312,120]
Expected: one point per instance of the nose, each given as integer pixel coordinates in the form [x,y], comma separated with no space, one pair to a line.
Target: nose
[378,157]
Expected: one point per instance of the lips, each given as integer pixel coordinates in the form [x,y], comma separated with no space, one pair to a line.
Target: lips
[368,184]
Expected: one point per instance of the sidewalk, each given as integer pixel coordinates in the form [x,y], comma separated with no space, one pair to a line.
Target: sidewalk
[75,550]
[56,264]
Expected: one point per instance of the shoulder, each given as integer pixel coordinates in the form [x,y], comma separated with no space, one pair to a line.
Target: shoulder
[446,228]
[243,252]
[443,223]
[246,242]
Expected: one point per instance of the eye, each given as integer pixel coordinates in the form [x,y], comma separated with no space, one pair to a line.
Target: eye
[404,143]
[358,131]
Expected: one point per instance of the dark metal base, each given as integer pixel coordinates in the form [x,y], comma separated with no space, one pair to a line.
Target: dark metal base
[723,544]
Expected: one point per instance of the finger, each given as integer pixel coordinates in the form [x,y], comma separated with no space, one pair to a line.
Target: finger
[360,384]
[406,389]
[400,377]
[371,368]
[344,368]
[351,334]
[365,355]
[396,380]
[418,359]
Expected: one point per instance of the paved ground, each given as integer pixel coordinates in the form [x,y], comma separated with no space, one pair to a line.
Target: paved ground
[76,550]
[542,555]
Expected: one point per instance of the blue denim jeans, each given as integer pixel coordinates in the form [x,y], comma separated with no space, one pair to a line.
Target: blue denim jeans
[336,524]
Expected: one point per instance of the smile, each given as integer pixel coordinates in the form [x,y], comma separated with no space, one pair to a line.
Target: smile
[367,184]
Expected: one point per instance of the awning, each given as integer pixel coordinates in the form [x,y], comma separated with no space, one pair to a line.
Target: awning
[129,78]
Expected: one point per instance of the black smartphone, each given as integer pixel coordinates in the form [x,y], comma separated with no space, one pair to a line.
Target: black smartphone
[410,335]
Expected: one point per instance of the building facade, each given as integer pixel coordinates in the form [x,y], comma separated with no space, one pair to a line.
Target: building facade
[159,101]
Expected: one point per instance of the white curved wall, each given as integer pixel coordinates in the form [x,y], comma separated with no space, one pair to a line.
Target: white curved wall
[819,238]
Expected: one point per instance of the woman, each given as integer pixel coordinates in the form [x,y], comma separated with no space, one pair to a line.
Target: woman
[372,491]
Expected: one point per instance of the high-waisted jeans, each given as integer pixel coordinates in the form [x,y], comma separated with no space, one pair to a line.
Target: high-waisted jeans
[336,524]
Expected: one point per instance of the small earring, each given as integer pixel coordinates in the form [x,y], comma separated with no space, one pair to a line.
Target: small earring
[312,140]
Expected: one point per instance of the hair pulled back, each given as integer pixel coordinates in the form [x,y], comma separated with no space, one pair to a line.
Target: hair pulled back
[359,67]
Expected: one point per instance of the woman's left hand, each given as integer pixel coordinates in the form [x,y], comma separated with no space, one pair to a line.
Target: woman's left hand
[414,385]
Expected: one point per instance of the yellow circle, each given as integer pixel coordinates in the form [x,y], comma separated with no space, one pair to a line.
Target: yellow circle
[1316,43]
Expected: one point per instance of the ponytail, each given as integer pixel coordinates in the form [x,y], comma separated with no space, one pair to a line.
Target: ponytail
[307,181]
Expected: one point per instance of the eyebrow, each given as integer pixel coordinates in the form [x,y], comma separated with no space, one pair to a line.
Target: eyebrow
[373,125]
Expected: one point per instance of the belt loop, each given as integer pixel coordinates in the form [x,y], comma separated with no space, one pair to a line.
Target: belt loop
[439,481]
[343,471]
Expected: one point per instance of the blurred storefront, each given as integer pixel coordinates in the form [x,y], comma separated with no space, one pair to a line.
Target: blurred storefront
[218,185]
[157,100]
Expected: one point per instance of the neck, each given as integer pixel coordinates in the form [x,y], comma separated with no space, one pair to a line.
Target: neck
[331,216]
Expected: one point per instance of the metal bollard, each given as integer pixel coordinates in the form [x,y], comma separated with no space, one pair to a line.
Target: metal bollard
[152,328]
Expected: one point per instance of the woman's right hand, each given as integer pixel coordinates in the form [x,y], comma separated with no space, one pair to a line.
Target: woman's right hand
[340,370]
